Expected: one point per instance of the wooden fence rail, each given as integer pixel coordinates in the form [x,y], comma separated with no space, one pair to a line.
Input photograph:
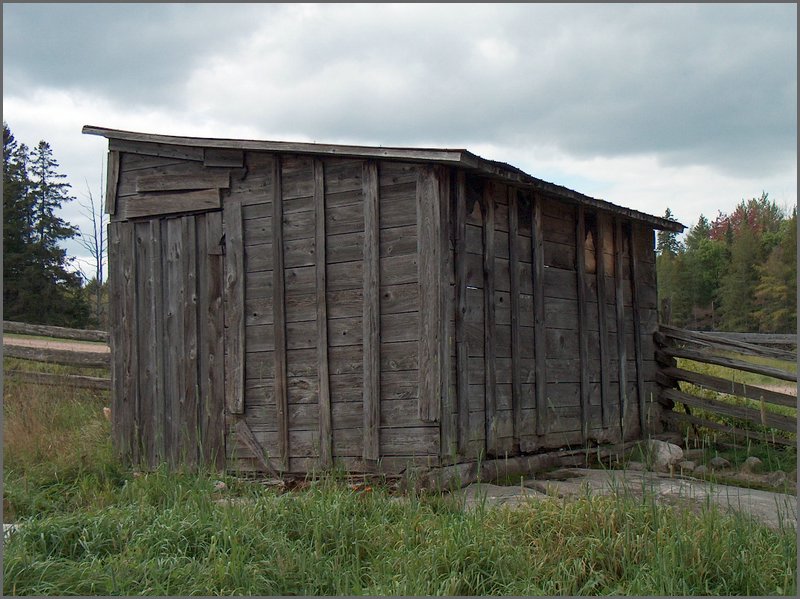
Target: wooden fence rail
[716,349]
[39,330]
[52,355]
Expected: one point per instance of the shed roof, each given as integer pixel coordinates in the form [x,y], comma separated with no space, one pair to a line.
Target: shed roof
[454,157]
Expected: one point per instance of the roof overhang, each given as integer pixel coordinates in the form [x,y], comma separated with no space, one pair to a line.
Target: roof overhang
[455,157]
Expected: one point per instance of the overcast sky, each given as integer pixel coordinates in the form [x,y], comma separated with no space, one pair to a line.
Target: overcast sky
[691,107]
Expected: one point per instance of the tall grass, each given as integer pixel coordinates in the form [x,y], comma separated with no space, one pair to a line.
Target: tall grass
[89,526]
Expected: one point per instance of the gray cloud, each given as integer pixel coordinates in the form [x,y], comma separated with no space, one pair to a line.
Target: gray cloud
[693,84]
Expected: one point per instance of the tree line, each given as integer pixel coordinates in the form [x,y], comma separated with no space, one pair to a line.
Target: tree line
[40,283]
[735,273]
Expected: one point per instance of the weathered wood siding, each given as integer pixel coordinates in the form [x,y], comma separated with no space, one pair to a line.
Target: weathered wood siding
[288,312]
[529,347]
[363,417]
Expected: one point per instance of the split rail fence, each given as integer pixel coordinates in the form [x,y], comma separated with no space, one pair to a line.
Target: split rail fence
[56,355]
[729,350]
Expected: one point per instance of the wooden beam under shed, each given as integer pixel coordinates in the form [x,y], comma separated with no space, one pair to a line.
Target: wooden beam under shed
[462,355]
[489,320]
[514,284]
[583,334]
[602,322]
[637,328]
[537,269]
[620,310]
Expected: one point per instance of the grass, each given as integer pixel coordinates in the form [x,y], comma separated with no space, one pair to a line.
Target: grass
[90,526]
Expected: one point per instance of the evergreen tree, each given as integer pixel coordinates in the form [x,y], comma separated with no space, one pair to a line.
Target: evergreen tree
[667,241]
[738,284]
[38,286]
[776,291]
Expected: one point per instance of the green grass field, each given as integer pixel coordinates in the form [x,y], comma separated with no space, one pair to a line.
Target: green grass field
[90,526]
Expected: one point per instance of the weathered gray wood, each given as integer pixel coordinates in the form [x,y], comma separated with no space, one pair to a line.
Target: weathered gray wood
[620,312]
[147,289]
[115,337]
[516,344]
[154,204]
[729,387]
[449,430]
[235,298]
[637,329]
[768,437]
[246,436]
[461,312]
[162,150]
[189,400]
[39,330]
[707,358]
[158,342]
[212,336]
[174,335]
[223,157]
[762,417]
[489,326]
[325,431]
[112,181]
[583,334]
[129,326]
[538,282]
[431,290]
[755,338]
[207,180]
[721,342]
[371,317]
[75,381]
[279,315]
[602,319]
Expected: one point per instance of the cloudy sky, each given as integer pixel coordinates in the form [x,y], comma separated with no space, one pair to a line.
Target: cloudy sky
[691,107]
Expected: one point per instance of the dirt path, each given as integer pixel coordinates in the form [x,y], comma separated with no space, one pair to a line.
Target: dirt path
[87,346]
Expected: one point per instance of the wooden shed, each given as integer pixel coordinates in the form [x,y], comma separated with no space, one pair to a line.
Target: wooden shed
[285,307]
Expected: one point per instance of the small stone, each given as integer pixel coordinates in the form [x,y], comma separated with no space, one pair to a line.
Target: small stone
[752,464]
[719,462]
[776,479]
[687,465]
[700,470]
[663,454]
[635,466]
[220,486]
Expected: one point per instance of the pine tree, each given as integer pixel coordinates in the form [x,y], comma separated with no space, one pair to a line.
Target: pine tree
[776,291]
[738,284]
[38,286]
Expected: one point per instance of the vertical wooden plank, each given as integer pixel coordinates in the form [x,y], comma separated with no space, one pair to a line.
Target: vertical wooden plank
[130,347]
[115,283]
[325,429]
[583,335]
[605,365]
[189,410]
[462,387]
[234,307]
[371,317]
[430,293]
[620,312]
[448,440]
[516,346]
[279,320]
[112,181]
[174,337]
[489,330]
[144,302]
[158,342]
[637,327]
[213,424]
[537,269]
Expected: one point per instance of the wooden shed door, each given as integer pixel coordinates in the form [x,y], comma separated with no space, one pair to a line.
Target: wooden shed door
[166,290]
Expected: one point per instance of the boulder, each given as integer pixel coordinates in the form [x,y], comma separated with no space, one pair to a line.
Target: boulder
[687,466]
[700,470]
[635,466]
[717,463]
[751,464]
[663,455]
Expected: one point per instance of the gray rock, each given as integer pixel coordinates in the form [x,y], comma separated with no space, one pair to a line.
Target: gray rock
[776,479]
[719,462]
[752,464]
[635,466]
[687,465]
[663,454]
[700,470]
